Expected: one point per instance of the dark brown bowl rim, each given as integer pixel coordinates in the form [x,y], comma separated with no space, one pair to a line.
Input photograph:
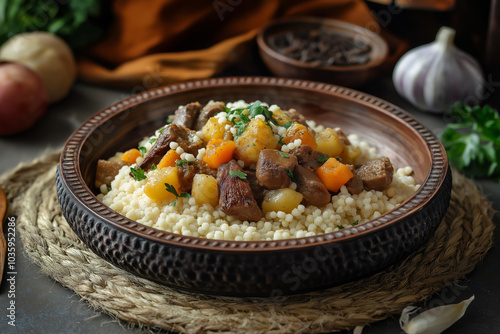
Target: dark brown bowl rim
[73,180]
[261,41]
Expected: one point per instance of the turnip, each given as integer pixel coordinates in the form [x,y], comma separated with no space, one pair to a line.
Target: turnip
[23,98]
[48,56]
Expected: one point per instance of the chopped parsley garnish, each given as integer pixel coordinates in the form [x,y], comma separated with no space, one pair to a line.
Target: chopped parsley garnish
[256,109]
[161,130]
[244,118]
[290,173]
[240,126]
[280,141]
[340,227]
[170,119]
[143,150]
[287,124]
[171,189]
[138,174]
[323,158]
[181,162]
[153,140]
[153,167]
[355,223]
[109,188]
[284,155]
[241,175]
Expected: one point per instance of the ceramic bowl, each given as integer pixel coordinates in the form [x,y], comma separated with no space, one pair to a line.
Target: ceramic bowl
[255,268]
[348,75]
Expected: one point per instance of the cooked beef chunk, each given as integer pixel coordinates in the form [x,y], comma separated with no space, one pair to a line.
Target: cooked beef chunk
[354,185]
[311,187]
[297,117]
[211,109]
[187,115]
[258,191]
[235,195]
[185,137]
[274,167]
[343,137]
[307,157]
[376,174]
[106,171]
[303,153]
[187,171]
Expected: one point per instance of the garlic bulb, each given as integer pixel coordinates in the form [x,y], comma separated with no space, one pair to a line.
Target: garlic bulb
[436,75]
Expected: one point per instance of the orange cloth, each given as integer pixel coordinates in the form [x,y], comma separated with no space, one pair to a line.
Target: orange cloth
[157,42]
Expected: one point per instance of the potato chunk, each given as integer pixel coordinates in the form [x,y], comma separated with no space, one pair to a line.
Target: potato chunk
[329,143]
[205,190]
[281,117]
[155,187]
[350,154]
[284,199]
[256,137]
[215,130]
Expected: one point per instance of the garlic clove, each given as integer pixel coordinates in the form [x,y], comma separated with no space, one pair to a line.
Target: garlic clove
[433,321]
[358,330]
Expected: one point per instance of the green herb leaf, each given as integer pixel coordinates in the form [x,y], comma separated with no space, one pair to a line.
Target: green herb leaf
[240,126]
[241,175]
[153,140]
[287,124]
[153,167]
[355,223]
[323,158]
[290,173]
[143,150]
[171,189]
[137,174]
[79,23]
[244,118]
[170,119]
[181,162]
[109,188]
[473,142]
[283,154]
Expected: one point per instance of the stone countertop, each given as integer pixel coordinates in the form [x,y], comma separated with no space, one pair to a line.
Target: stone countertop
[45,306]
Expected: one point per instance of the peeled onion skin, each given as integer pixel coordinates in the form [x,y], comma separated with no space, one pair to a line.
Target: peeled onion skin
[435,76]
[23,98]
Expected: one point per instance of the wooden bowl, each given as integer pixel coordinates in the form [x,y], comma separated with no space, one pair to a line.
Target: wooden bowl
[248,268]
[349,75]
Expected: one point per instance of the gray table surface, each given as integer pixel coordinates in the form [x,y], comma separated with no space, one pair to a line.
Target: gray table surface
[45,306]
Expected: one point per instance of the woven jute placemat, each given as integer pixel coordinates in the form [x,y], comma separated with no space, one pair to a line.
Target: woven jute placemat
[460,242]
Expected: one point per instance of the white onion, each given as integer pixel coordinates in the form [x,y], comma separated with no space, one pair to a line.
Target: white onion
[436,75]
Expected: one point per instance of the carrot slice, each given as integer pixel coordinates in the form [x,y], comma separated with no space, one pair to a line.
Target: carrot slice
[300,131]
[131,155]
[169,159]
[334,174]
[218,152]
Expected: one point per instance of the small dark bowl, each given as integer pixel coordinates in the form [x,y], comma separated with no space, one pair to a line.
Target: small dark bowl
[348,75]
[265,268]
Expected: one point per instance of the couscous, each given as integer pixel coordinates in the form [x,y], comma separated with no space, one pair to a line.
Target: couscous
[239,171]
